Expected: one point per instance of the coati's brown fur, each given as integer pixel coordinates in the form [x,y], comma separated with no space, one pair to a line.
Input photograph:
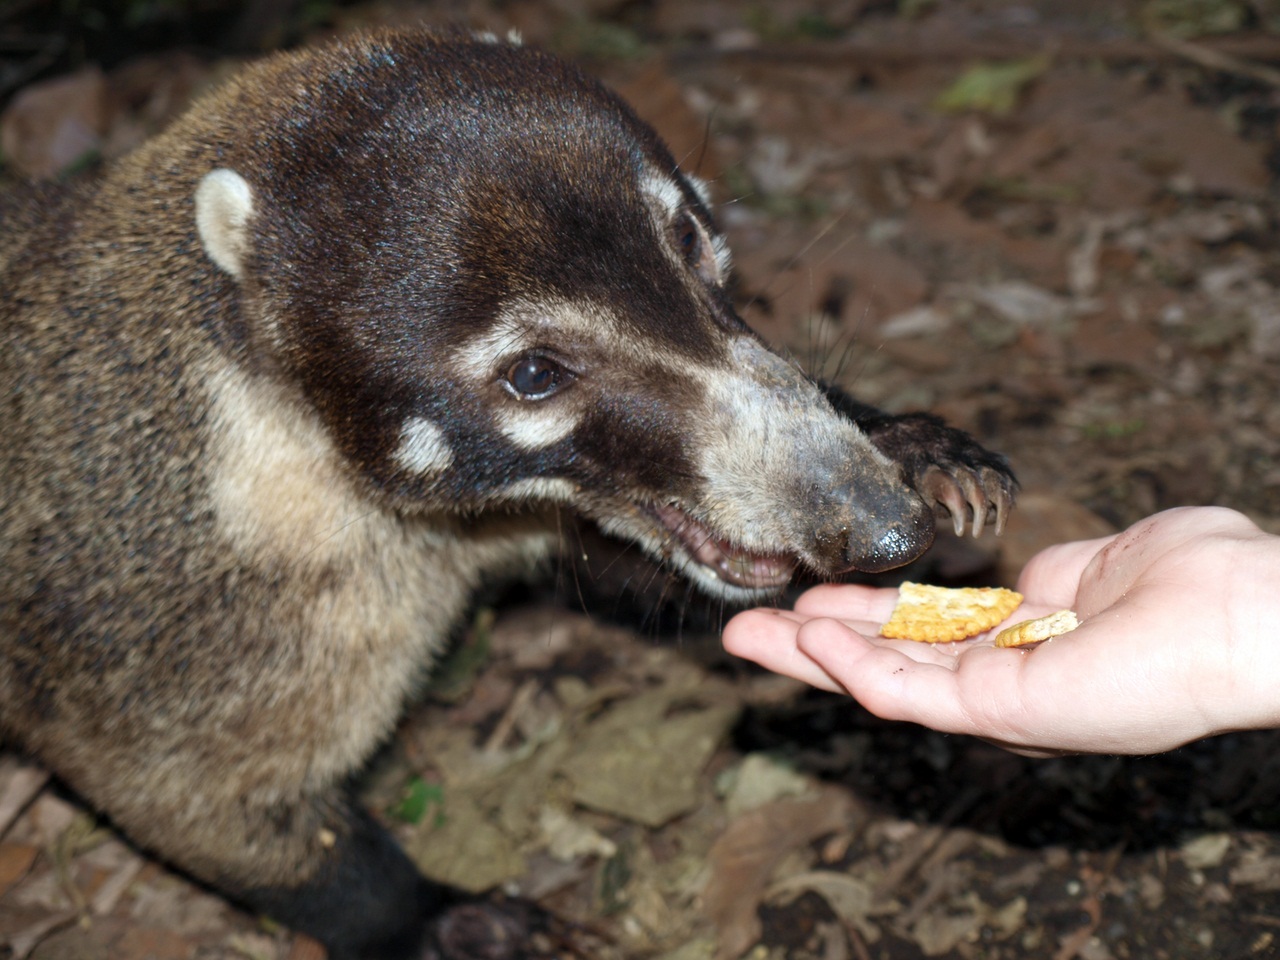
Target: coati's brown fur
[287,384]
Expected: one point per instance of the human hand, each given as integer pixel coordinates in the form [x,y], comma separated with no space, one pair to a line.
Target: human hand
[1178,640]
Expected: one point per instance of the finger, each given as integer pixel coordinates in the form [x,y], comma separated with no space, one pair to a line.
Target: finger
[848,601]
[768,637]
[1026,700]
[910,681]
[980,691]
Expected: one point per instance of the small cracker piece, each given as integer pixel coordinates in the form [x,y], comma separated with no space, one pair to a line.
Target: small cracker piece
[1036,631]
[941,614]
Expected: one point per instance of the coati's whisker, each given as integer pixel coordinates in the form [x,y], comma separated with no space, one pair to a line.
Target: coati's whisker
[327,538]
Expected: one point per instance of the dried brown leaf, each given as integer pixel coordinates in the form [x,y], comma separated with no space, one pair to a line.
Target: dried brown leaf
[743,859]
[15,860]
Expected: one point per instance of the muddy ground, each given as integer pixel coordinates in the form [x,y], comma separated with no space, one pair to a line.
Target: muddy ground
[1057,225]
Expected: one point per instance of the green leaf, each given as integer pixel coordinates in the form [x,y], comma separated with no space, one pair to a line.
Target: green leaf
[419,797]
[992,87]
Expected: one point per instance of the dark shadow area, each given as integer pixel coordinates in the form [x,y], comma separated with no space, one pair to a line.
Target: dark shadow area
[1084,802]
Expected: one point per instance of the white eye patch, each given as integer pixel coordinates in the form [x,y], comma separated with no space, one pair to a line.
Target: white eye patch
[533,427]
[422,448]
[528,324]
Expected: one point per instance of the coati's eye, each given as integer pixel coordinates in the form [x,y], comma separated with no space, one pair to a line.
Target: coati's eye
[535,377]
[692,244]
[688,239]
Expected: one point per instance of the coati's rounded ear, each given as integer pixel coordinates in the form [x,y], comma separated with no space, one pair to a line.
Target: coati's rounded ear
[224,204]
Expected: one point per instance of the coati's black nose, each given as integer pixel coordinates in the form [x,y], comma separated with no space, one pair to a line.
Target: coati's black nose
[889,534]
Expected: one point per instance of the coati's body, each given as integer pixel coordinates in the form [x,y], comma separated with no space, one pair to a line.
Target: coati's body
[283,387]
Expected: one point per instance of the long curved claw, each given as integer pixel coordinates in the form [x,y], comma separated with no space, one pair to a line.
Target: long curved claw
[1003,499]
[973,497]
[976,498]
[938,486]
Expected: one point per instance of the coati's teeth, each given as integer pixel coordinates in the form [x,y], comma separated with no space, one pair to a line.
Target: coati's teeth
[750,570]
[728,562]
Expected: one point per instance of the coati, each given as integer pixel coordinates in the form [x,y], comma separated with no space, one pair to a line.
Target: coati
[286,385]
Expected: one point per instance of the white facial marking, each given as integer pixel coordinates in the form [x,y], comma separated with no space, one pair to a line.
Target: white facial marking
[525,325]
[668,196]
[724,259]
[480,360]
[224,204]
[547,489]
[700,188]
[669,201]
[533,426]
[422,448]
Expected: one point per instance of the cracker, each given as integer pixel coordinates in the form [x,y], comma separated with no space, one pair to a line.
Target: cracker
[1036,631]
[941,614]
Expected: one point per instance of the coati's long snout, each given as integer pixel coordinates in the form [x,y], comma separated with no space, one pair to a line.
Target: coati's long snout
[297,377]
[777,479]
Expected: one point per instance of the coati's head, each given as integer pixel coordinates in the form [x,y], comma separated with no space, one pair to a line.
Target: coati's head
[496,289]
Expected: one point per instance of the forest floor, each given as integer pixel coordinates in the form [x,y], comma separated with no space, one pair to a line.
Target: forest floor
[1055,224]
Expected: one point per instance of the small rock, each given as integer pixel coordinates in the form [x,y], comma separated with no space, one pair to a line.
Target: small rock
[1207,851]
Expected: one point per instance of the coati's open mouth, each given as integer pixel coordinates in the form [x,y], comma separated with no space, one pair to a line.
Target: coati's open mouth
[730,563]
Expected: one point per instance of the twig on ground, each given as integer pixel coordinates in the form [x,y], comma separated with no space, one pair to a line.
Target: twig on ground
[1214,59]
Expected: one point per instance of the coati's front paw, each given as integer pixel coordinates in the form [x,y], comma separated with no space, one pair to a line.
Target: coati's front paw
[949,468]
[479,931]
[505,929]
[945,466]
